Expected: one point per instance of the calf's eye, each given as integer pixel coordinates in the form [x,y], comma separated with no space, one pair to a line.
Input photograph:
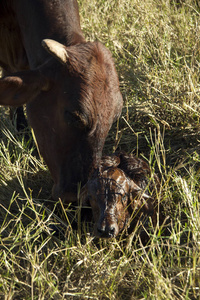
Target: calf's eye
[124,198]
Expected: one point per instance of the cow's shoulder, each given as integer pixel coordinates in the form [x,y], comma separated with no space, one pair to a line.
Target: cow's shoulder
[12,53]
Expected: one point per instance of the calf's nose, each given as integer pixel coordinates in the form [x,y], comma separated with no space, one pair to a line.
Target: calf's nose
[106,231]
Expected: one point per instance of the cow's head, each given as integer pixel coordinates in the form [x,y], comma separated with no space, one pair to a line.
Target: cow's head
[116,199]
[72,101]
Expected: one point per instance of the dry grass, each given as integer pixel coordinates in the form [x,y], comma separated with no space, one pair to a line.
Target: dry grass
[156,48]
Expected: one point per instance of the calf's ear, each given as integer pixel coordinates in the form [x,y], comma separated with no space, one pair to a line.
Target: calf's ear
[21,87]
[137,196]
[135,189]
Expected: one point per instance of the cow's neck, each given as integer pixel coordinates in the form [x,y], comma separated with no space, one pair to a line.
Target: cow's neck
[37,20]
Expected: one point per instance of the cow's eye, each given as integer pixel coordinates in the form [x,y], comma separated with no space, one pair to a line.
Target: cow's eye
[75,119]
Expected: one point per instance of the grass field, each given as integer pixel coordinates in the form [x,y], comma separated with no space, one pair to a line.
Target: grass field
[156,47]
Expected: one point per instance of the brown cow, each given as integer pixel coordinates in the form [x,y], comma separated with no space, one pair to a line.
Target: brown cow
[120,194]
[70,86]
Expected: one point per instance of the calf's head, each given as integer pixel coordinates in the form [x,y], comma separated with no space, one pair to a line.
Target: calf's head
[116,198]
[72,101]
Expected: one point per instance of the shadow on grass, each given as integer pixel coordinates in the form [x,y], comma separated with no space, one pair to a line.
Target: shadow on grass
[180,145]
[16,196]
[27,202]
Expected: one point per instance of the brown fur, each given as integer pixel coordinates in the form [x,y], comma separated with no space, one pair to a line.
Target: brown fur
[70,106]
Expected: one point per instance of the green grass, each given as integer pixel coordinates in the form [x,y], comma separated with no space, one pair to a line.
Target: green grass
[156,47]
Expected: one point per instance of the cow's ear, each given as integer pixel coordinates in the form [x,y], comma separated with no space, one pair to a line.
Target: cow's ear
[56,49]
[21,87]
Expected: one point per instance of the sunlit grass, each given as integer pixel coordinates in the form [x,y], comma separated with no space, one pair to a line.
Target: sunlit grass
[43,255]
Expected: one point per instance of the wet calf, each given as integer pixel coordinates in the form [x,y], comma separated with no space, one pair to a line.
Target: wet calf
[120,193]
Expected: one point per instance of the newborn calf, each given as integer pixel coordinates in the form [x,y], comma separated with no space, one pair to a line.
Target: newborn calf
[120,194]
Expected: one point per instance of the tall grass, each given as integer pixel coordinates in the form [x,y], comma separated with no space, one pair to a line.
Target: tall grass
[155,45]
